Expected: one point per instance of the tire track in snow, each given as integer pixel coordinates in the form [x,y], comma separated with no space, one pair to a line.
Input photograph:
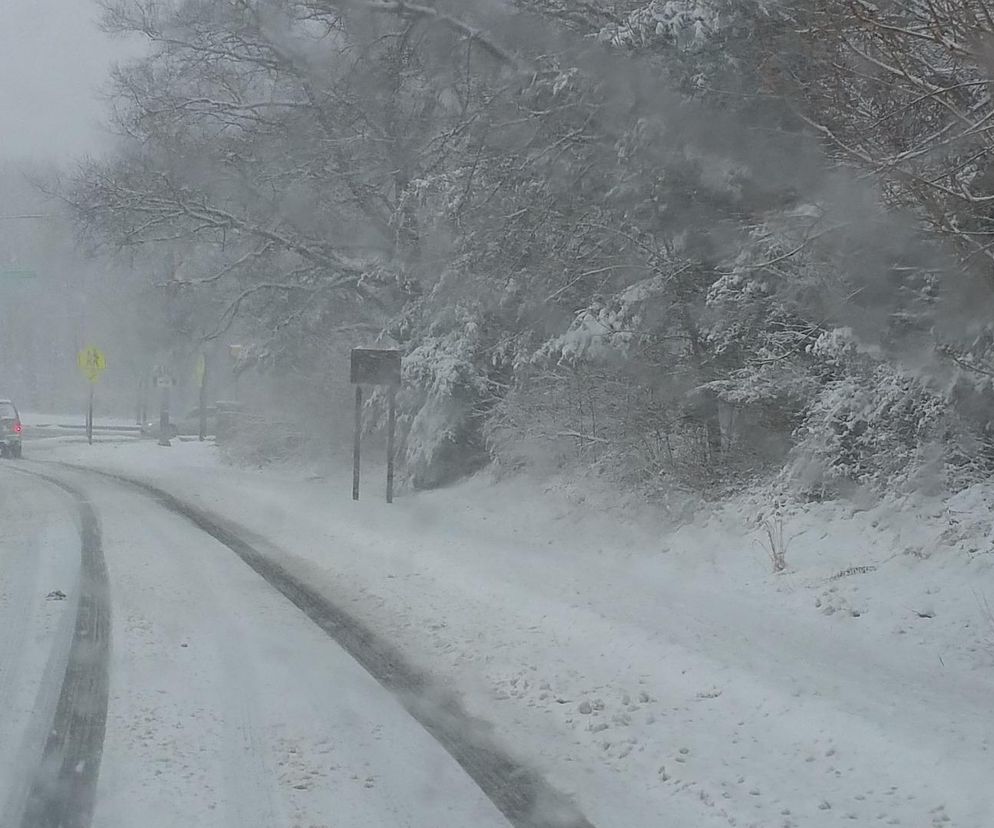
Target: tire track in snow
[18,588]
[521,794]
[30,676]
[63,789]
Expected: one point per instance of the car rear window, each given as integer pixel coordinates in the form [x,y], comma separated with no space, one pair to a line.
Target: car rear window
[7,412]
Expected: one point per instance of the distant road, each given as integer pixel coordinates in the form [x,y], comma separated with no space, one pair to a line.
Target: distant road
[46,426]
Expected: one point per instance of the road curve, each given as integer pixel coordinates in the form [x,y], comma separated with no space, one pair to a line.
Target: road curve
[524,798]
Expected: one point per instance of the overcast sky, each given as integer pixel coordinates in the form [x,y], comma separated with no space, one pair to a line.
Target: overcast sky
[53,61]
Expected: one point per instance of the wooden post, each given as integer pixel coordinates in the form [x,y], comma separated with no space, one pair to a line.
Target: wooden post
[391,428]
[164,418]
[356,441]
[89,418]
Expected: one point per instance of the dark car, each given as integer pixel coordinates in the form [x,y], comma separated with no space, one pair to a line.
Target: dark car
[10,429]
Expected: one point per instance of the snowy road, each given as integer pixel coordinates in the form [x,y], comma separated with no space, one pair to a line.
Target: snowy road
[40,564]
[61,792]
[684,688]
[226,705]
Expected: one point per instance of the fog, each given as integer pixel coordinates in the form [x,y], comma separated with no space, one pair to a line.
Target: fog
[54,61]
[546,204]
[54,65]
[667,499]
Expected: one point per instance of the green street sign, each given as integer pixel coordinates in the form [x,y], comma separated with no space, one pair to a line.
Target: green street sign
[18,274]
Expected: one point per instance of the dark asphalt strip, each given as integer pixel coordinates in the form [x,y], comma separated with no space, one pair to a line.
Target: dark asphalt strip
[521,794]
[62,791]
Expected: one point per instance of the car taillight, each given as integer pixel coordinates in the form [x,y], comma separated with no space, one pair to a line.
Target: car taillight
[17,428]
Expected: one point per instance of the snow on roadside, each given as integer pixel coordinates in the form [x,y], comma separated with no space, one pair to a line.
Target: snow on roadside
[76,419]
[660,675]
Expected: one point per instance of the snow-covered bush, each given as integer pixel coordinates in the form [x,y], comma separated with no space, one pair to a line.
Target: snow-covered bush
[440,410]
[258,440]
[597,419]
[868,424]
[686,24]
[774,540]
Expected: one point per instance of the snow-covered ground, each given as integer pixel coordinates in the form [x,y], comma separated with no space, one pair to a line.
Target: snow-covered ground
[226,706]
[37,424]
[73,418]
[659,676]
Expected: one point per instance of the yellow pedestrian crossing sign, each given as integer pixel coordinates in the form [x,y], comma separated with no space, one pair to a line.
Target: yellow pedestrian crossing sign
[91,363]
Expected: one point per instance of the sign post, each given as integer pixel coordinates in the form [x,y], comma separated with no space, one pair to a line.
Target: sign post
[372,366]
[163,381]
[140,402]
[92,364]
[202,380]
[391,428]
[356,442]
